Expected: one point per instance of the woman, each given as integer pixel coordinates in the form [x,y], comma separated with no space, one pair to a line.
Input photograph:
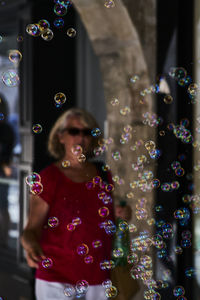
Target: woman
[69,231]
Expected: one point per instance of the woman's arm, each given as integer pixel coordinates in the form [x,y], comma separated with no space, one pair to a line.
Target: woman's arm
[32,231]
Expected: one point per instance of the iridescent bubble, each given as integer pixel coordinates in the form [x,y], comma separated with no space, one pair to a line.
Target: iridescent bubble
[118,252]
[134,78]
[10,78]
[109,187]
[116,155]
[123,226]
[125,111]
[178,250]
[69,290]
[193,89]
[190,272]
[77,150]
[175,165]
[146,261]
[88,259]
[186,243]
[111,292]
[47,35]
[186,234]
[96,132]
[155,154]
[114,102]
[32,178]
[103,212]
[155,183]
[71,32]
[58,23]
[107,283]
[110,227]
[15,56]
[90,185]
[175,185]
[168,99]
[82,249]
[43,25]
[109,4]
[141,214]
[165,187]
[178,291]
[150,145]
[132,228]
[53,222]
[47,263]
[1,39]
[82,286]
[60,10]
[1,116]
[71,227]
[162,133]
[76,221]
[158,208]
[136,271]
[66,163]
[105,168]
[81,158]
[36,188]
[184,122]
[60,98]
[37,128]
[107,265]
[20,38]
[179,172]
[132,258]
[33,30]
[96,244]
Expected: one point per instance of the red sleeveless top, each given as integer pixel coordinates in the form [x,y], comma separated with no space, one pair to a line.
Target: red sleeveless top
[75,250]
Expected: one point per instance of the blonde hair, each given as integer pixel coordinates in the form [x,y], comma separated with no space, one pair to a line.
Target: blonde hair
[55,148]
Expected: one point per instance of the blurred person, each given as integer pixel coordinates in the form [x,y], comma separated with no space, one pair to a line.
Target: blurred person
[68,252]
[7,141]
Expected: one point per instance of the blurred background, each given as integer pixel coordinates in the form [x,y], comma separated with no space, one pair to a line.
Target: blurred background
[130,63]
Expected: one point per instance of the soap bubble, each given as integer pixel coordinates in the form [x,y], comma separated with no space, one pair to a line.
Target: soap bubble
[43,25]
[69,290]
[103,212]
[71,32]
[114,102]
[96,132]
[71,227]
[88,259]
[109,4]
[190,272]
[111,292]
[37,128]
[134,78]
[107,265]
[33,30]
[60,98]
[168,99]
[178,291]
[58,23]
[107,283]
[15,56]
[32,178]
[118,252]
[47,263]
[36,188]
[60,10]
[1,116]
[77,150]
[65,163]
[10,78]
[53,222]
[82,249]
[47,35]
[116,155]
[81,158]
[96,244]
[82,286]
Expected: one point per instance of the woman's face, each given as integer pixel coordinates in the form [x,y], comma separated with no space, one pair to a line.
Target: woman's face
[76,133]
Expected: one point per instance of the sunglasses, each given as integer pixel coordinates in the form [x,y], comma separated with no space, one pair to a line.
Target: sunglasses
[76,131]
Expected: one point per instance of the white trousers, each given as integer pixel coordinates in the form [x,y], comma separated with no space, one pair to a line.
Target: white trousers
[46,290]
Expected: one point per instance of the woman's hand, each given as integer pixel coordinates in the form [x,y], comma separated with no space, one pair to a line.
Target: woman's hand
[123,212]
[34,255]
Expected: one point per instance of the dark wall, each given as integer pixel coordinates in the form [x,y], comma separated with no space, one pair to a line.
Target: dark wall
[53,71]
